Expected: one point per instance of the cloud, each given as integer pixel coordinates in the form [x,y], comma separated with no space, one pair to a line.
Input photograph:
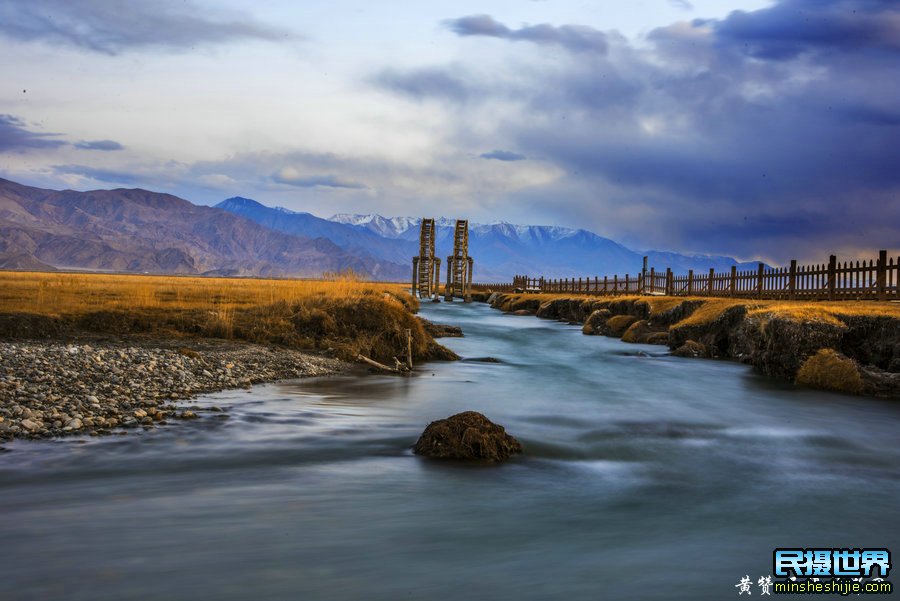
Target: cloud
[792,27]
[767,133]
[292,177]
[426,83]
[575,38]
[15,136]
[503,155]
[116,26]
[682,4]
[106,145]
[113,176]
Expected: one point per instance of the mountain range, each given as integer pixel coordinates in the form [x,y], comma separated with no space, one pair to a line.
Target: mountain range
[134,230]
[141,231]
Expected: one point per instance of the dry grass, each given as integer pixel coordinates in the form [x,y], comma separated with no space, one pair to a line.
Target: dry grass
[826,312]
[343,313]
[76,293]
[829,370]
[711,308]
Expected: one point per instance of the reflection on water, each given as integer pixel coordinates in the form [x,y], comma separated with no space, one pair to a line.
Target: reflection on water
[645,476]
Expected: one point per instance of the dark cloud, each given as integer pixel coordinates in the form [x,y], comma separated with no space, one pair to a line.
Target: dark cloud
[15,136]
[503,155]
[792,27]
[106,145]
[426,83]
[576,38]
[293,178]
[770,133]
[115,26]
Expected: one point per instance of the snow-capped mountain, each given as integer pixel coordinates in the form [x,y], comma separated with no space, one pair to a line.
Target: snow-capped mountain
[394,227]
[502,249]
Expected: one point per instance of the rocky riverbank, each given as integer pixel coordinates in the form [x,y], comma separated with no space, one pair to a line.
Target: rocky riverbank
[848,347]
[50,389]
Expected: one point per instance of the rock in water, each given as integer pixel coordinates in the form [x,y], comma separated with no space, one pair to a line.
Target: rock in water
[469,436]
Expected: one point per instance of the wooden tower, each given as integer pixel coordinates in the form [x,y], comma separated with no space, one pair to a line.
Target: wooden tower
[426,266]
[459,264]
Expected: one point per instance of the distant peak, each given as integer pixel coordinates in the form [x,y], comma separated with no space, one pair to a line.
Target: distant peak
[238,201]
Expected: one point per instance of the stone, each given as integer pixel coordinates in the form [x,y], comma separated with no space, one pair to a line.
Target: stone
[29,425]
[468,436]
[596,322]
[74,423]
[691,348]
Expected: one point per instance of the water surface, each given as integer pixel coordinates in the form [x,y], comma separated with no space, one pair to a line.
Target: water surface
[645,476]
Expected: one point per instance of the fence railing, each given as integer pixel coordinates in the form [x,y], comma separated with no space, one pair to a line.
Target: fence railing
[875,279]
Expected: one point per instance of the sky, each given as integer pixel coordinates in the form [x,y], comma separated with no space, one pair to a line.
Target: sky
[762,129]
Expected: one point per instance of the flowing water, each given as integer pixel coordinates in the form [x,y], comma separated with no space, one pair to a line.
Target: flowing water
[645,476]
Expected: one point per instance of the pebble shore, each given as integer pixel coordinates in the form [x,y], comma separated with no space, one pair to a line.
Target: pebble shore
[50,389]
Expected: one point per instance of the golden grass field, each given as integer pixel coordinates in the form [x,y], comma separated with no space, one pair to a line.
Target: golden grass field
[78,293]
[343,313]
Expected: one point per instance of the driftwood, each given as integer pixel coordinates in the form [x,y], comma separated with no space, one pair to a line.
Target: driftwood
[399,367]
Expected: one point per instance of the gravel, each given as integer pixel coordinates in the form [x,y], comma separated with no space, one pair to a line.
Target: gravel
[50,389]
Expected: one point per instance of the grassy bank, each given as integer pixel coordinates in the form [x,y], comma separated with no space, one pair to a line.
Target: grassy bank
[344,314]
[846,346]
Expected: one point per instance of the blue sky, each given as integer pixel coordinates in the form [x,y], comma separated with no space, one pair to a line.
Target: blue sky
[752,128]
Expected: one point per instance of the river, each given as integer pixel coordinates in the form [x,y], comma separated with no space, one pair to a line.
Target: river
[645,476]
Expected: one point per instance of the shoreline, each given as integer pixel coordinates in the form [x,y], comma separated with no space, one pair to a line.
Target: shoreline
[104,386]
[846,348]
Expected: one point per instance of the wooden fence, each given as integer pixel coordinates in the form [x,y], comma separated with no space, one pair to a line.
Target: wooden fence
[860,280]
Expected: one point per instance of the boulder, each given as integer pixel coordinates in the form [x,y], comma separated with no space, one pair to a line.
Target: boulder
[691,348]
[617,325]
[467,436]
[596,322]
[643,332]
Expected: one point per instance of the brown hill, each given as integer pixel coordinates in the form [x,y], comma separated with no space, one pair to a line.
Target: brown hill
[138,230]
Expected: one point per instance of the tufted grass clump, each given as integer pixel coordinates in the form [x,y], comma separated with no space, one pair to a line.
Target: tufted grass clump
[830,370]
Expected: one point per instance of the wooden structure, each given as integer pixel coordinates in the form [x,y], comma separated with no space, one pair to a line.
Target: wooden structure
[874,279]
[426,274]
[459,265]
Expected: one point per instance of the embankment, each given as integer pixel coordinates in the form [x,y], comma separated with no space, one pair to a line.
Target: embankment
[850,347]
[98,371]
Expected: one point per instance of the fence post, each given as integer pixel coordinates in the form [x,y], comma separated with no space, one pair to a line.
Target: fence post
[615,284]
[626,283]
[709,285]
[792,279]
[832,276]
[596,284]
[652,281]
[643,282]
[415,276]
[881,275]
[579,285]
[759,280]
[690,289]
[605,286]
[733,280]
